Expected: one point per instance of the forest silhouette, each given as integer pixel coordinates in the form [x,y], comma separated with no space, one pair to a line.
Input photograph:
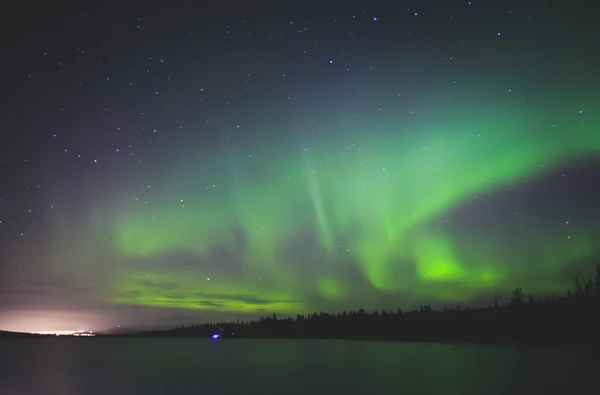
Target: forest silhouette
[570,318]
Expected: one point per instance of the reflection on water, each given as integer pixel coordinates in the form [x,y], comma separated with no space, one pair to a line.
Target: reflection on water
[81,366]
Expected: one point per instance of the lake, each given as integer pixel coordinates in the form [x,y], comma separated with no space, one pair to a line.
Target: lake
[114,366]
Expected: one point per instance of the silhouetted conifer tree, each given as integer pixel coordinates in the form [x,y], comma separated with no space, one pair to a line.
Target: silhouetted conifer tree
[516,298]
[579,286]
[597,284]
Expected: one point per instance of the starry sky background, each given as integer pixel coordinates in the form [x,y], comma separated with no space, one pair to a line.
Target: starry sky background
[179,162]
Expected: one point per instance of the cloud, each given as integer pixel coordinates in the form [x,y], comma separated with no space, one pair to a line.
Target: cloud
[207,303]
[220,259]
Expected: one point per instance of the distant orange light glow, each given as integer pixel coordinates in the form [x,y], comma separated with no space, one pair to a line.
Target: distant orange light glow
[50,322]
[64,333]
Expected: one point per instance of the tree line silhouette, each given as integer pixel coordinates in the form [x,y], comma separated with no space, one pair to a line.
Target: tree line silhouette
[569,318]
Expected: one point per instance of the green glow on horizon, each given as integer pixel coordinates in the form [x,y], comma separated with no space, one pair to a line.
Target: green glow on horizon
[367,200]
[178,288]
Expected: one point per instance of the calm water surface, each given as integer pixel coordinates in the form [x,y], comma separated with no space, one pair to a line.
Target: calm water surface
[80,366]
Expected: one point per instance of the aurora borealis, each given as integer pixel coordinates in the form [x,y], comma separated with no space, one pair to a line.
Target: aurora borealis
[199,165]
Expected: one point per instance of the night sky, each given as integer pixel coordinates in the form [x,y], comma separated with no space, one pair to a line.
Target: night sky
[179,162]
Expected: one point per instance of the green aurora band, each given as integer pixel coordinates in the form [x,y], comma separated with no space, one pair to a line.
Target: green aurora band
[346,220]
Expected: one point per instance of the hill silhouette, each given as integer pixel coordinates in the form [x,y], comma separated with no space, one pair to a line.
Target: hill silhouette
[15,334]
